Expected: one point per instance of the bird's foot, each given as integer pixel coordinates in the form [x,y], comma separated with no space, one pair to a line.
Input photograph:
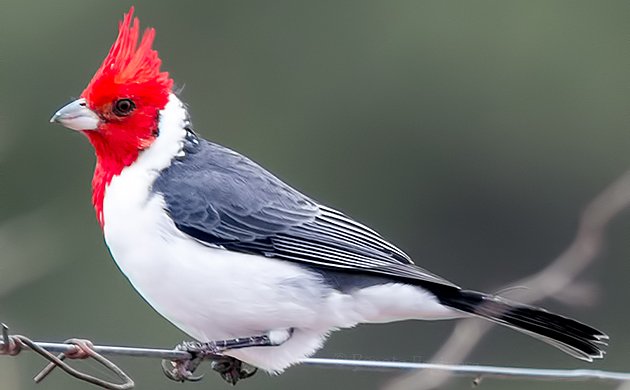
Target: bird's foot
[232,370]
[183,370]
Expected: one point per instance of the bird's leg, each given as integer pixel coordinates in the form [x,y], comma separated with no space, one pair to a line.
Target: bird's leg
[231,369]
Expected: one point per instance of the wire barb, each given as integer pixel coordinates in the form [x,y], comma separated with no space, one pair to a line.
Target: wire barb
[10,346]
[80,349]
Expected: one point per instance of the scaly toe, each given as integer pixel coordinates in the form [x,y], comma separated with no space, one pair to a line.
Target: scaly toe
[232,370]
[180,370]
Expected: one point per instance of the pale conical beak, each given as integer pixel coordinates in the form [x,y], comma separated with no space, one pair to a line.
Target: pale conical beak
[76,116]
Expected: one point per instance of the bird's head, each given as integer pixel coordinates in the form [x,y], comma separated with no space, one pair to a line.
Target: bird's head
[119,109]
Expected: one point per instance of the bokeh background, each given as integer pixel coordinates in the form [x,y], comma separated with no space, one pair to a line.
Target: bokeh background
[471,134]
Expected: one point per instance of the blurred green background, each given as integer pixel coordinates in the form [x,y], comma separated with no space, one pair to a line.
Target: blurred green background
[472,134]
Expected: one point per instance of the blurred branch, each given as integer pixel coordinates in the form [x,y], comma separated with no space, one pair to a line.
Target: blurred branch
[557,276]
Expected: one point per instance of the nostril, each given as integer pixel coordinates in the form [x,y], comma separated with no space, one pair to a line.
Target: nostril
[82,104]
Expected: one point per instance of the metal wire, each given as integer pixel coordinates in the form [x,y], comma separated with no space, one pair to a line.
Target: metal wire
[477,371]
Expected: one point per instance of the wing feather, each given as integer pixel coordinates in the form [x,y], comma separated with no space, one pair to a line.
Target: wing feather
[222,198]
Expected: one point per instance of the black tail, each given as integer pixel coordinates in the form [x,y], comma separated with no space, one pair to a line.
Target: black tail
[573,337]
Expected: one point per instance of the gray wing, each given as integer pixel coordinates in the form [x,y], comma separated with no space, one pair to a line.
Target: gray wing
[222,198]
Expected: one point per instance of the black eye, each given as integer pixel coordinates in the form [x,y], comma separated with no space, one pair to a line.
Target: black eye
[124,107]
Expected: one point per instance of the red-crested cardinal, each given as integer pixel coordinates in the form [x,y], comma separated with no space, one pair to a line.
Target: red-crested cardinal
[249,267]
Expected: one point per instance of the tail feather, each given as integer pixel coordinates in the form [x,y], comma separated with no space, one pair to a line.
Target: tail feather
[575,338]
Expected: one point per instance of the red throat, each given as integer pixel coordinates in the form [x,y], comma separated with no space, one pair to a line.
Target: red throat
[131,71]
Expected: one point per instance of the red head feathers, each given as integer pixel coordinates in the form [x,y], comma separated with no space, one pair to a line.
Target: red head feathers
[128,64]
[127,93]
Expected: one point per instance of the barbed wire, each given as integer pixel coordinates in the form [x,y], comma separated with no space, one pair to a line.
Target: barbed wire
[11,345]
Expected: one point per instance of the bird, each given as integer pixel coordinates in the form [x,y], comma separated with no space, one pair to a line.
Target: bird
[254,271]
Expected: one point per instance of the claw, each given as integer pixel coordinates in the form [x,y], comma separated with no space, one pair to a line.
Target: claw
[247,370]
[181,370]
[232,370]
